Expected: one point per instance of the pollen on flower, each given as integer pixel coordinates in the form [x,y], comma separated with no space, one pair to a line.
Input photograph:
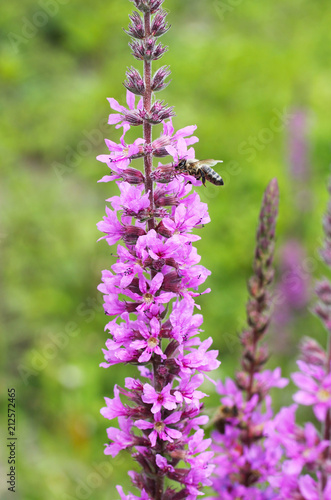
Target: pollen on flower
[323,395]
[148,298]
[152,342]
[159,426]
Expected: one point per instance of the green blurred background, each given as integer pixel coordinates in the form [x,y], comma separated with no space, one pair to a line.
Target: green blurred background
[236,67]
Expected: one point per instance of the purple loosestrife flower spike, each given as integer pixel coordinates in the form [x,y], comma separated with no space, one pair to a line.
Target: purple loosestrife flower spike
[305,461]
[323,310]
[150,291]
[243,462]
[259,304]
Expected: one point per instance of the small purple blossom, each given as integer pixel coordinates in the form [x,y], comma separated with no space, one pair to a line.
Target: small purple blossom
[313,393]
[159,399]
[310,489]
[161,428]
[121,117]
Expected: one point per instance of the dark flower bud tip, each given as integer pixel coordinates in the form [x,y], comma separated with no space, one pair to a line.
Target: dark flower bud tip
[136,28]
[158,82]
[147,49]
[134,82]
[159,25]
[148,5]
[159,112]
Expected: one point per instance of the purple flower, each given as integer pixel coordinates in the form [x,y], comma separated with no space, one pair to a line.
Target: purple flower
[130,496]
[150,342]
[122,439]
[163,465]
[159,399]
[171,138]
[121,155]
[187,390]
[161,427]
[313,393]
[121,117]
[132,200]
[114,407]
[149,293]
[310,489]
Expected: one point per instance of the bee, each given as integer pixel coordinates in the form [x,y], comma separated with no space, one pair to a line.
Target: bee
[201,169]
[222,415]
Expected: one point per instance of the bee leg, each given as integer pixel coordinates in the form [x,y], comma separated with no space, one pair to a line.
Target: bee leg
[203,178]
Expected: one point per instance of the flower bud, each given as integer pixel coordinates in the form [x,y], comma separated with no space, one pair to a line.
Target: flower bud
[131,234]
[254,287]
[163,231]
[158,82]
[171,282]
[136,28]
[323,291]
[148,5]
[133,176]
[312,353]
[163,173]
[158,146]
[134,118]
[138,50]
[159,26]
[166,201]
[262,355]
[159,112]
[147,49]
[170,261]
[134,82]
[242,381]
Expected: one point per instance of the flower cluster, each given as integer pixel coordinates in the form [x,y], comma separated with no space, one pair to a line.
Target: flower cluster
[305,472]
[149,293]
[258,455]
[243,462]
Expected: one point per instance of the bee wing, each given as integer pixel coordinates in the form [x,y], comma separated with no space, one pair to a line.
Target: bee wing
[210,163]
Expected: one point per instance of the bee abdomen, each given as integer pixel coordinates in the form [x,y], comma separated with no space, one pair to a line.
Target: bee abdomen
[212,176]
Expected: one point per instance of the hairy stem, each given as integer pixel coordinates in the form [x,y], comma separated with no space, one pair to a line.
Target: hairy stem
[147,99]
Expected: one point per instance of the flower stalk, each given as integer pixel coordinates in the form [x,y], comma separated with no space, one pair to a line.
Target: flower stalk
[147,99]
[304,460]
[323,310]
[243,463]
[150,292]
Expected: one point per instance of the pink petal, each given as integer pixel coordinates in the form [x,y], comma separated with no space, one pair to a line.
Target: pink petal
[130,99]
[115,105]
[114,118]
[304,398]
